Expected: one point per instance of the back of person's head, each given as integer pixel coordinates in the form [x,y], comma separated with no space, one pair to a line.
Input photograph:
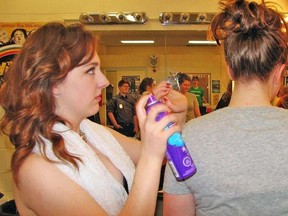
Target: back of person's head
[253,36]
[122,82]
[147,81]
[182,77]
[27,92]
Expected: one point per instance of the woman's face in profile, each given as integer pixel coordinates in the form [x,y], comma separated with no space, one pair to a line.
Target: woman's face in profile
[81,91]
[19,37]
[185,86]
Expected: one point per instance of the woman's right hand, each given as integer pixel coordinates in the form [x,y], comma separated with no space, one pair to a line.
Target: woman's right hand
[154,135]
[162,90]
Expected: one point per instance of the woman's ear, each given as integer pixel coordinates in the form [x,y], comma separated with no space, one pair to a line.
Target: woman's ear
[278,74]
[55,91]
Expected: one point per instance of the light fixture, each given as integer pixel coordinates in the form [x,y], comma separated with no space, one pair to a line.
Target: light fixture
[104,18]
[167,18]
[137,41]
[139,17]
[86,18]
[202,17]
[113,18]
[184,17]
[201,42]
[121,17]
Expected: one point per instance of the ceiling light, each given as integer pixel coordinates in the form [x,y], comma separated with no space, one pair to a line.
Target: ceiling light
[202,17]
[137,41]
[104,18]
[168,18]
[121,17]
[184,17]
[86,18]
[139,16]
[199,42]
[113,18]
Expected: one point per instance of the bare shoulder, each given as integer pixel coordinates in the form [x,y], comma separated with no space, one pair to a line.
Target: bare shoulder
[42,182]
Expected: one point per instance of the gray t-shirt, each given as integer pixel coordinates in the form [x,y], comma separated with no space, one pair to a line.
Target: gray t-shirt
[241,155]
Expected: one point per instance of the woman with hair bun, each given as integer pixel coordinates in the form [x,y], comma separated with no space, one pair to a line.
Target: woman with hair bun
[241,150]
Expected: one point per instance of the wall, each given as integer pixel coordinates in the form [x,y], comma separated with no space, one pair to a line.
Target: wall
[192,59]
[41,10]
[6,151]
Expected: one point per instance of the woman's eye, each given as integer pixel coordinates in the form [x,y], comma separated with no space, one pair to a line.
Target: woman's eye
[91,71]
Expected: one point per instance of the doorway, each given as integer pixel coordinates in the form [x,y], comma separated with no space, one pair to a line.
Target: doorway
[204,82]
[114,75]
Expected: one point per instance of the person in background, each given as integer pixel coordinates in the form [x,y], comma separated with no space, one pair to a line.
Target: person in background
[193,110]
[146,86]
[226,97]
[63,163]
[199,92]
[240,151]
[4,37]
[18,36]
[121,111]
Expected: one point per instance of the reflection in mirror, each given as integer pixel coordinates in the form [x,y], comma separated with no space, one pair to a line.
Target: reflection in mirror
[204,82]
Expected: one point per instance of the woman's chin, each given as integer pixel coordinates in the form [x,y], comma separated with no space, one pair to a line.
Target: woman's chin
[94,110]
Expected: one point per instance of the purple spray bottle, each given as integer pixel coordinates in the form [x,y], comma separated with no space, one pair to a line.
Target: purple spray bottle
[177,154]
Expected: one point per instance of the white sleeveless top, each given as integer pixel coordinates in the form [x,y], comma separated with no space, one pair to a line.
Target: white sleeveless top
[93,175]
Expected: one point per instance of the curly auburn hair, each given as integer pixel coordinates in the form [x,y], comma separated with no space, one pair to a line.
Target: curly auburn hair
[254,37]
[26,94]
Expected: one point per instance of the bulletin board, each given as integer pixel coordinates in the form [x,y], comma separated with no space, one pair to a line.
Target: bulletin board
[205,83]
[12,37]
[134,82]
[215,86]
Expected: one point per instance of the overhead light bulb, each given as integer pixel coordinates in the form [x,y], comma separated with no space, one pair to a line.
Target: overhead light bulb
[184,17]
[105,18]
[202,42]
[137,41]
[121,17]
